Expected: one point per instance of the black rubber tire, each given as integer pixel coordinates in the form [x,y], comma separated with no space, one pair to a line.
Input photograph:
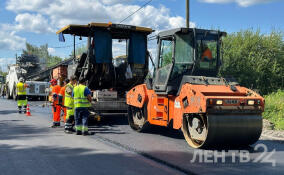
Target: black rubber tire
[146,125]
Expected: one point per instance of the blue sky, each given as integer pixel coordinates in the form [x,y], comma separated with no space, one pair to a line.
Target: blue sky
[36,21]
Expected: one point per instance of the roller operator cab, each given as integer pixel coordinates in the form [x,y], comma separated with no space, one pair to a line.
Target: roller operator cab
[185,93]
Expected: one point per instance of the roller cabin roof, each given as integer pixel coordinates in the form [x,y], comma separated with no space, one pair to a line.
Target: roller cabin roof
[187,30]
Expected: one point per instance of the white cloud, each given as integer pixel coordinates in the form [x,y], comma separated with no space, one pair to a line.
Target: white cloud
[33,23]
[51,51]
[118,48]
[27,22]
[10,41]
[62,12]
[109,2]
[27,5]
[243,3]
[4,62]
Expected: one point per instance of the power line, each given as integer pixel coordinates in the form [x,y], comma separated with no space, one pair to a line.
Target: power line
[136,11]
[59,47]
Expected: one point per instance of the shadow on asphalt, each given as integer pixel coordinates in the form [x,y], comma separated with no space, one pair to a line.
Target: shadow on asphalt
[51,160]
[109,124]
[19,131]
[111,120]
[165,131]
[7,112]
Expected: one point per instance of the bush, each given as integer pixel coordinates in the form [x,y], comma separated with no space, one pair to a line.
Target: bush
[254,59]
[274,109]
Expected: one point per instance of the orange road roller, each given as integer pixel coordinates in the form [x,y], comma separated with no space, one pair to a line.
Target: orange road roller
[185,93]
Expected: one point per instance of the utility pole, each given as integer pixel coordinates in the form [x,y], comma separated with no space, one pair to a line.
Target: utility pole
[187,13]
[74,47]
[16,58]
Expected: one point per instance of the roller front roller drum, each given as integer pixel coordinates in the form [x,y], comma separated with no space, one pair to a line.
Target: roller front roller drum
[137,118]
[202,131]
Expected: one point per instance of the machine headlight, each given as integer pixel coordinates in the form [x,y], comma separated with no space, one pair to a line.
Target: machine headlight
[250,102]
[219,102]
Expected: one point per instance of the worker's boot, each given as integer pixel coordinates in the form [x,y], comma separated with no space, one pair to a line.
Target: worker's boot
[78,132]
[20,109]
[68,128]
[86,133]
[55,124]
[25,109]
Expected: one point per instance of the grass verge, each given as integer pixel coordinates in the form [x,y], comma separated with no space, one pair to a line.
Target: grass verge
[274,109]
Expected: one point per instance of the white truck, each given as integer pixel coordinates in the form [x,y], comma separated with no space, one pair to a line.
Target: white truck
[35,90]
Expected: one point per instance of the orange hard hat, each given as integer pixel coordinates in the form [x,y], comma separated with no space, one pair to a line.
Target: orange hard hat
[53,81]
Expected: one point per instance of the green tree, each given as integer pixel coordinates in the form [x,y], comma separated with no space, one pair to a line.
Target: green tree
[2,73]
[2,76]
[42,53]
[79,51]
[52,60]
[167,58]
[254,59]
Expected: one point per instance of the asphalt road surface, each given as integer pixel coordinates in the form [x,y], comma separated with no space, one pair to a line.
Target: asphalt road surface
[28,146]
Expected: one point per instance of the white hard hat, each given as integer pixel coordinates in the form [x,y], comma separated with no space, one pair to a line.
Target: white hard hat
[21,79]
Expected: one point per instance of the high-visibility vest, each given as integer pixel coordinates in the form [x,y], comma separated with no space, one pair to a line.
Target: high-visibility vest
[68,100]
[207,54]
[62,94]
[55,93]
[21,89]
[80,100]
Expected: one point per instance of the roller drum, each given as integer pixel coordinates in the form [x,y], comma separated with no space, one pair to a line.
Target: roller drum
[224,130]
[233,129]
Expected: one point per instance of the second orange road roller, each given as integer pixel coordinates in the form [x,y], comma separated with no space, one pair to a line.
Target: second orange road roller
[185,93]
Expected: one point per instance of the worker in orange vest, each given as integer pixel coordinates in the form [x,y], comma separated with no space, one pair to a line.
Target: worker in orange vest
[62,97]
[207,54]
[56,109]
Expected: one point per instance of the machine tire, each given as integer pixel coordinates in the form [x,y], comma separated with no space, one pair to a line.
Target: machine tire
[186,134]
[142,117]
